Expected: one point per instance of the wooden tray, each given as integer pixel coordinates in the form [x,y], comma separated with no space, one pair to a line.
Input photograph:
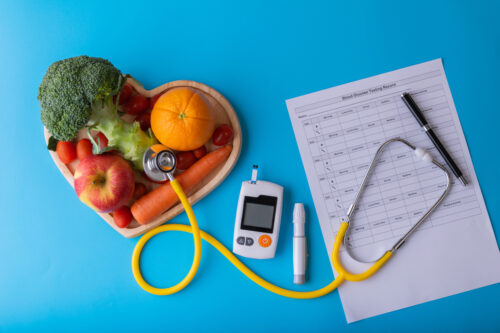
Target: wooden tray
[224,115]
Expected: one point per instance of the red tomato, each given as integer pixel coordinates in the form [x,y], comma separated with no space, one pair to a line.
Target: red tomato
[125,95]
[140,190]
[103,140]
[83,149]
[153,100]
[66,151]
[122,217]
[200,152]
[144,119]
[222,135]
[136,104]
[185,159]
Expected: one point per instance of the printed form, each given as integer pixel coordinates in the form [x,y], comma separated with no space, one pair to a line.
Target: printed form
[338,131]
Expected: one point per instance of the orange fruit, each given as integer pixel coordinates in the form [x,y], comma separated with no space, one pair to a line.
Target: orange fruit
[182,119]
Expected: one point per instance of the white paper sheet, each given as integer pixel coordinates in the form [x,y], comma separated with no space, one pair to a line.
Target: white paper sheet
[338,131]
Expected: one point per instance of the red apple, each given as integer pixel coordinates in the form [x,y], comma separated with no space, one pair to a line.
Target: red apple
[104,182]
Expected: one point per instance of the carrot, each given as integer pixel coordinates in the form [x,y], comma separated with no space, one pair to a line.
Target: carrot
[156,202]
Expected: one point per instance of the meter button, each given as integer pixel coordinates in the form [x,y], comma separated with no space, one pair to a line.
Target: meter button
[249,241]
[264,240]
[240,240]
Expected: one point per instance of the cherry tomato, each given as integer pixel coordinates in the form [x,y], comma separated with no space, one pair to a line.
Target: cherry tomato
[140,190]
[200,152]
[136,104]
[153,100]
[125,95]
[83,148]
[222,135]
[122,217]
[185,159]
[103,140]
[144,119]
[66,151]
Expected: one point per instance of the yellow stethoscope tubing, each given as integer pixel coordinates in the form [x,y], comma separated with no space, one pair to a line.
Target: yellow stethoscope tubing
[198,234]
[342,271]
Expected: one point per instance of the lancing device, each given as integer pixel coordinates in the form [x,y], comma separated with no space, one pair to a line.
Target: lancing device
[299,244]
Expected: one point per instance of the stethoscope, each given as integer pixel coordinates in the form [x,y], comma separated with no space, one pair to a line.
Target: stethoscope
[159,164]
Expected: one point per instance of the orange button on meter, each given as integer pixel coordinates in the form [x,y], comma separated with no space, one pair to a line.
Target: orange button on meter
[264,240]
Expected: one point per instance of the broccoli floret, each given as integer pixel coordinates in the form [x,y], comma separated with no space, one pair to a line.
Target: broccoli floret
[65,108]
[68,89]
[100,80]
[74,88]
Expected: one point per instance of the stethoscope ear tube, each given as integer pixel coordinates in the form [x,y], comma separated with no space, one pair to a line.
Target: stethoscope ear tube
[423,155]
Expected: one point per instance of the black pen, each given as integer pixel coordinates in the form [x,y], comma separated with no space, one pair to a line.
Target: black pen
[415,110]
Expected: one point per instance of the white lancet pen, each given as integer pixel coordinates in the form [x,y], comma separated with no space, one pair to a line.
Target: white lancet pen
[299,244]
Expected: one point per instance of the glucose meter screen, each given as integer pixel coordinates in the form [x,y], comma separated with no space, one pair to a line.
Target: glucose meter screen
[258,213]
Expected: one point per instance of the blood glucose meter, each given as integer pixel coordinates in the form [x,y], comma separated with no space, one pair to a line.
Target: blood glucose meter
[258,218]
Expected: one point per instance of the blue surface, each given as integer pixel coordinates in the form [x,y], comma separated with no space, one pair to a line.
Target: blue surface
[63,268]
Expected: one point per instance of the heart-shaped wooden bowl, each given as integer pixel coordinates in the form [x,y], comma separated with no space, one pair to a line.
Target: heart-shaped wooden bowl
[224,115]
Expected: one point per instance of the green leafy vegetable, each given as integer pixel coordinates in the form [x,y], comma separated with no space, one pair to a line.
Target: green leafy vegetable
[78,92]
[52,144]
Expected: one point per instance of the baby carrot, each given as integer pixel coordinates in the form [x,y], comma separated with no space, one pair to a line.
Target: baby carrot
[156,202]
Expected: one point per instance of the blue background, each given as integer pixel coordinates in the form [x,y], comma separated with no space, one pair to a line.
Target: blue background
[63,268]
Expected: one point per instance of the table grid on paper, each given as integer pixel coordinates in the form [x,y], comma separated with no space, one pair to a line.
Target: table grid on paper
[342,142]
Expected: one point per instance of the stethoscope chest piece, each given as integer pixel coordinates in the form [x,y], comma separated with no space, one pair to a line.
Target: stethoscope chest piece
[159,163]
